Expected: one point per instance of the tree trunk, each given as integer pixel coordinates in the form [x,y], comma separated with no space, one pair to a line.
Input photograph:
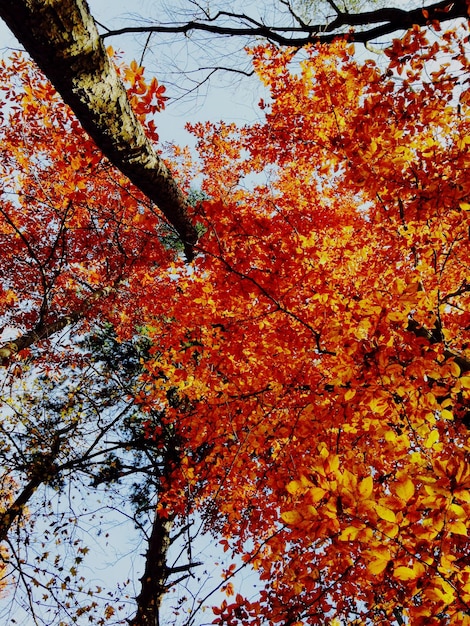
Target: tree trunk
[155,575]
[61,36]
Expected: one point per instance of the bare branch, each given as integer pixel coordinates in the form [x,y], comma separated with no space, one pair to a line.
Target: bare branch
[391,20]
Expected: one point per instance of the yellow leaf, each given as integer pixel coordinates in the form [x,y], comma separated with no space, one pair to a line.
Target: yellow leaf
[457,528]
[390,436]
[458,510]
[291,517]
[316,493]
[295,487]
[333,463]
[377,566]
[392,530]
[404,573]
[432,438]
[349,480]
[446,414]
[378,405]
[465,381]
[409,573]
[350,393]
[445,594]
[349,533]
[454,369]
[465,206]
[405,489]
[463,495]
[386,514]
[366,486]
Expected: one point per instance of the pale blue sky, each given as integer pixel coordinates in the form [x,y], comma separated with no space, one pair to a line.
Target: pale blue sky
[226,98]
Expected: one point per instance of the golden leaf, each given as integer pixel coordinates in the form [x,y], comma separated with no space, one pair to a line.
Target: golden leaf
[366,486]
[431,439]
[377,566]
[384,513]
[457,528]
[408,573]
[405,489]
[292,518]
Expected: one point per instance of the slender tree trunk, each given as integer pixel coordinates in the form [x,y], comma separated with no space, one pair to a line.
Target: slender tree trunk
[154,580]
[61,36]
[9,349]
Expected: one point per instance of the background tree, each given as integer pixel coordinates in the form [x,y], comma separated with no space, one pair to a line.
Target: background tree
[81,434]
[71,256]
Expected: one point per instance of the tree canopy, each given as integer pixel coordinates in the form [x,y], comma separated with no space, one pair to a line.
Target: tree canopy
[301,387]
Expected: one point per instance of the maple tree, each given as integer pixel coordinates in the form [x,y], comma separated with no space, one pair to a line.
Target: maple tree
[310,371]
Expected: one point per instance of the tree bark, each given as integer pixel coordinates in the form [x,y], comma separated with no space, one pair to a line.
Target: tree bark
[62,38]
[10,349]
[155,574]
[47,328]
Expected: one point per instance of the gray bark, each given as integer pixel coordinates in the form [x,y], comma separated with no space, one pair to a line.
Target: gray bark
[62,38]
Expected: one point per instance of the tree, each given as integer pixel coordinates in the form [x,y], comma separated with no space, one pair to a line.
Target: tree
[312,366]
[79,435]
[78,420]
[331,369]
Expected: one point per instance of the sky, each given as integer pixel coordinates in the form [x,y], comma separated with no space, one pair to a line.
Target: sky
[226,97]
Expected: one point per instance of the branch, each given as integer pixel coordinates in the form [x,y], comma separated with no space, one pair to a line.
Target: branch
[390,19]
[41,471]
[39,333]
[45,329]
[61,36]
[434,335]
[184,568]
[16,509]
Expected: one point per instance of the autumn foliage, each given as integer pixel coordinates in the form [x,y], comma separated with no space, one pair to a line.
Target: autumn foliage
[318,344]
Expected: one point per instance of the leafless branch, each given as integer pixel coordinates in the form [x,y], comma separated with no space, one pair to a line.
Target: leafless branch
[389,20]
